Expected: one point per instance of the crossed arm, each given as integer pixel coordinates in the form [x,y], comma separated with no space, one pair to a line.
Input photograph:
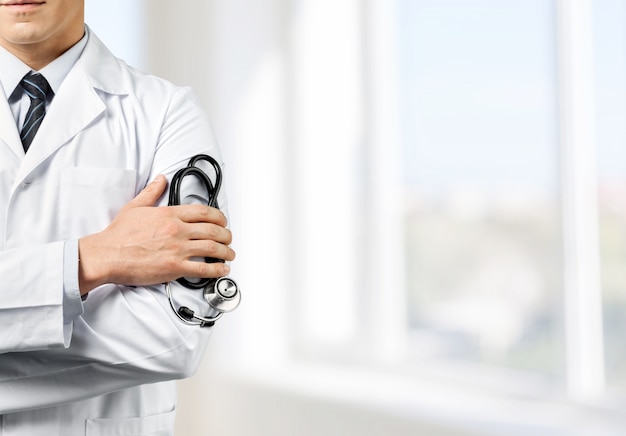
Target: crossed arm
[127,335]
[147,245]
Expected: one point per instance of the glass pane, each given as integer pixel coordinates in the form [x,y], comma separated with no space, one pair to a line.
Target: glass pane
[481,172]
[610,79]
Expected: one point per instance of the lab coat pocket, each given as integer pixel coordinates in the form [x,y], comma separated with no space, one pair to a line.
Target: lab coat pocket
[91,197]
[161,424]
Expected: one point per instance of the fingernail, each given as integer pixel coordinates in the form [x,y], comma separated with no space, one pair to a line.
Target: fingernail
[226,269]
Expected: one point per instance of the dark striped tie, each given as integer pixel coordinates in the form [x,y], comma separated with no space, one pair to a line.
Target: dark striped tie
[37,88]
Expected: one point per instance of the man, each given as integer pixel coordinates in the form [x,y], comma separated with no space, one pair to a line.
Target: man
[88,342]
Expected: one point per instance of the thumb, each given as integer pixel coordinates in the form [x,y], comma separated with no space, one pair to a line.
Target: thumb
[150,194]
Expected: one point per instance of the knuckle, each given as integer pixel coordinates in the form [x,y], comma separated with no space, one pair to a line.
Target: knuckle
[163,212]
[217,216]
[222,218]
[172,265]
[212,248]
[220,269]
[201,269]
[200,209]
[171,228]
[206,269]
[213,231]
[224,269]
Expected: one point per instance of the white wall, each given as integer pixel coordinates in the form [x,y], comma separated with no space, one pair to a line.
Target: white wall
[241,407]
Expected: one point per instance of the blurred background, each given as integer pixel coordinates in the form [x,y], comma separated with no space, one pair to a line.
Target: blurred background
[428,199]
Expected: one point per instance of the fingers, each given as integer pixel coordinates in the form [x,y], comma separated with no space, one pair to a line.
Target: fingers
[197,213]
[209,231]
[145,245]
[205,270]
[190,213]
[209,248]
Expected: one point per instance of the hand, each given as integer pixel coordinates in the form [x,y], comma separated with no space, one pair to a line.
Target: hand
[146,245]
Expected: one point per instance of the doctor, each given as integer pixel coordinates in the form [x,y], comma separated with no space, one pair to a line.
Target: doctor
[88,343]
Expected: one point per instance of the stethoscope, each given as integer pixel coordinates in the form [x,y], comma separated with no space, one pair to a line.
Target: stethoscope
[221,294]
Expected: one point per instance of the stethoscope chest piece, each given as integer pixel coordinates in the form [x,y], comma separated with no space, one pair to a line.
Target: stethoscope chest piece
[223,295]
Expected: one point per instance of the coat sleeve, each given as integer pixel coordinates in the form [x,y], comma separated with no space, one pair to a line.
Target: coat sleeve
[34,313]
[127,336]
[31,302]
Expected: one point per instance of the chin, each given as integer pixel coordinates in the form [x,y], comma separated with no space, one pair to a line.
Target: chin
[22,33]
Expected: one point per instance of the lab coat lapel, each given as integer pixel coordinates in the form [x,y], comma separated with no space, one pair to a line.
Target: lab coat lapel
[77,103]
[74,106]
[8,129]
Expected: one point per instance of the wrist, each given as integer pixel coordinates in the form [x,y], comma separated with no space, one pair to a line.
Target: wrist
[92,271]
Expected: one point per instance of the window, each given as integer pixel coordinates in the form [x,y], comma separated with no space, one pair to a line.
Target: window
[472,129]
[481,173]
[513,143]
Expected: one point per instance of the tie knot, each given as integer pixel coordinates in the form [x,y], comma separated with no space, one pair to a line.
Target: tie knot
[36,86]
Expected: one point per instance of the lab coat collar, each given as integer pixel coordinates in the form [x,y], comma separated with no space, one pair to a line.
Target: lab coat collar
[76,105]
[102,67]
[55,72]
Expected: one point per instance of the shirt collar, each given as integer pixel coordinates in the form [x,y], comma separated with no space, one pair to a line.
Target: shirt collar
[13,69]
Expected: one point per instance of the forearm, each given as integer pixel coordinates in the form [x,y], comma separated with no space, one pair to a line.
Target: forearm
[147,245]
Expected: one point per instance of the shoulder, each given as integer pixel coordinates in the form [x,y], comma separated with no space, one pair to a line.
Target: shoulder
[112,75]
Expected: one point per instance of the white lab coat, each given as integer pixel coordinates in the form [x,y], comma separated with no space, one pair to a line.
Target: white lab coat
[108,132]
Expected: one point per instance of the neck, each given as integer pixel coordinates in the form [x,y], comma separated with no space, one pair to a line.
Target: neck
[39,54]
[35,59]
